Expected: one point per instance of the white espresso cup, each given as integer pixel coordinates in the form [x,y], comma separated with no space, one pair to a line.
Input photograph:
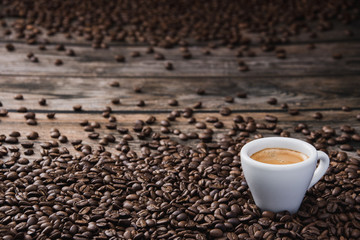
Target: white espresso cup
[281,187]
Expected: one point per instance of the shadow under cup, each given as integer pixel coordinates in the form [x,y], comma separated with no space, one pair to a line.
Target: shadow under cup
[278,187]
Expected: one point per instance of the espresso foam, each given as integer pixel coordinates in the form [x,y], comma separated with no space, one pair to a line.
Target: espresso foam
[279,156]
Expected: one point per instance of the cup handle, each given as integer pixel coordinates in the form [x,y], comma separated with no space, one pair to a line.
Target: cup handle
[321,169]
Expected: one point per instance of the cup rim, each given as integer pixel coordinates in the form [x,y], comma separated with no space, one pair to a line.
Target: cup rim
[244,154]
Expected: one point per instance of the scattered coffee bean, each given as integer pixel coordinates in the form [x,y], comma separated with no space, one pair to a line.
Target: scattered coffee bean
[317,115]
[9,47]
[77,108]
[173,102]
[225,111]
[200,91]
[50,115]
[119,58]
[346,108]
[141,103]
[272,101]
[42,102]
[58,62]
[169,66]
[18,97]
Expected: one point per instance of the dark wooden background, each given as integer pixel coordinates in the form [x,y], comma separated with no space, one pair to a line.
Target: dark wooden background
[308,80]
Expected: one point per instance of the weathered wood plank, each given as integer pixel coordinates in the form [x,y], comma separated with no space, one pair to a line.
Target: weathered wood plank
[95,93]
[337,34]
[222,62]
[68,124]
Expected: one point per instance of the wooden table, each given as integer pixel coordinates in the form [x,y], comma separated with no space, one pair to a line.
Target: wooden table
[308,80]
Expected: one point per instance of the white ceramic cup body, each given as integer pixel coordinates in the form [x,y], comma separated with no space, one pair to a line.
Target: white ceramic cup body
[281,187]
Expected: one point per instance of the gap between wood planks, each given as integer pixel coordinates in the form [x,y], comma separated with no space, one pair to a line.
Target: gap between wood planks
[195,111]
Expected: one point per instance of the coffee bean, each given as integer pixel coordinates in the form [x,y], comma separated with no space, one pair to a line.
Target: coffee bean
[31,122]
[200,125]
[14,134]
[42,102]
[149,50]
[241,95]
[32,135]
[58,62]
[225,111]
[18,97]
[293,111]
[346,147]
[270,118]
[272,101]
[114,84]
[317,115]
[60,47]
[70,53]
[119,58]
[346,108]
[77,108]
[337,56]
[135,54]
[27,144]
[243,68]
[229,99]
[3,112]
[200,91]
[11,140]
[173,102]
[50,115]
[169,66]
[93,135]
[10,47]
[216,233]
[159,56]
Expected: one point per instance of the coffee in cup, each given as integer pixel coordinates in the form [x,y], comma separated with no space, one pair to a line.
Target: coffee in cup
[279,156]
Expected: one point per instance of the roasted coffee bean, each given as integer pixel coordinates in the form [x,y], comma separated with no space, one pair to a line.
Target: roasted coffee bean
[173,102]
[216,233]
[32,135]
[272,101]
[27,144]
[169,66]
[60,47]
[93,135]
[317,115]
[135,54]
[346,147]
[337,56]
[200,125]
[11,140]
[200,91]
[3,112]
[70,53]
[77,108]
[197,105]
[50,115]
[293,111]
[31,122]
[14,134]
[346,108]
[225,111]
[159,56]
[119,58]
[9,47]
[271,118]
[243,68]
[241,95]
[141,103]
[42,102]
[18,97]
[58,62]
[229,99]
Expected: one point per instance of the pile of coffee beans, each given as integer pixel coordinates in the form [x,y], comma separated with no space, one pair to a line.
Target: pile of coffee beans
[164,23]
[156,181]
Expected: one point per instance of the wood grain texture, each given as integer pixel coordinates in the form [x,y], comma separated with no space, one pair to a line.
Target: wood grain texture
[222,62]
[336,34]
[68,124]
[94,94]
